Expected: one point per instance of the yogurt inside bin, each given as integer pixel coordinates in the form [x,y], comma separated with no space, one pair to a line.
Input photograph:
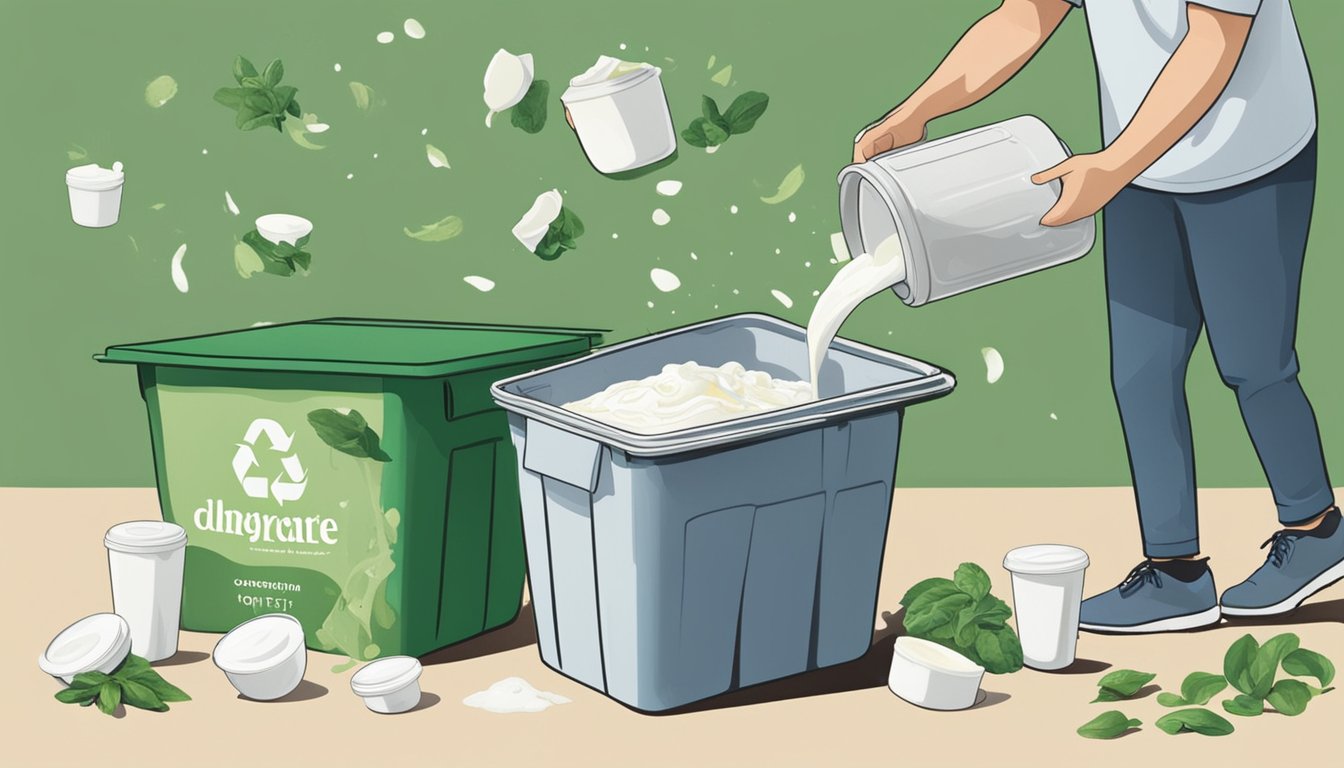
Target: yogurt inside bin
[620,113]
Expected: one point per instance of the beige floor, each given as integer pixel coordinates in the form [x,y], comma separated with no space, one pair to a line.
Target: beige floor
[839,717]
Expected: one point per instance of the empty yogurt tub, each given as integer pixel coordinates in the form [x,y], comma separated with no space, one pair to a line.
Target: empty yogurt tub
[389,685]
[283,227]
[264,658]
[94,643]
[929,675]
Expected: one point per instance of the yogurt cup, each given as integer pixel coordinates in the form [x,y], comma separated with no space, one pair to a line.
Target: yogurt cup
[389,686]
[264,658]
[145,559]
[95,194]
[100,642]
[1047,596]
[929,675]
[620,113]
[283,227]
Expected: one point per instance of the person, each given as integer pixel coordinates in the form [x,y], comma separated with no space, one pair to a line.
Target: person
[1207,178]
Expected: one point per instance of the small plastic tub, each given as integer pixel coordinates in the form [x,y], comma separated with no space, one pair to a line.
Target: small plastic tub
[929,675]
[100,642]
[95,194]
[264,658]
[389,686]
[145,558]
[620,113]
[283,227]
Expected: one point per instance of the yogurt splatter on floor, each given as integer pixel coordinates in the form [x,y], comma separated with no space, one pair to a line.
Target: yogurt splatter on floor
[513,694]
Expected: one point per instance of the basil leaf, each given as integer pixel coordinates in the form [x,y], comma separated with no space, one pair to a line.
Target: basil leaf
[1107,725]
[245,116]
[231,97]
[258,121]
[710,109]
[141,696]
[1237,663]
[1267,660]
[914,592]
[1125,682]
[971,579]
[1200,721]
[90,679]
[132,666]
[1304,663]
[745,110]
[161,688]
[242,68]
[1289,697]
[109,697]
[1244,706]
[1200,687]
[347,433]
[294,108]
[76,695]
[274,71]
[999,650]
[702,133]
[529,115]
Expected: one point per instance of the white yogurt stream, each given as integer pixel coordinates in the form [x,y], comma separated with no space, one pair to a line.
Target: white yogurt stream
[690,395]
[513,694]
[865,276]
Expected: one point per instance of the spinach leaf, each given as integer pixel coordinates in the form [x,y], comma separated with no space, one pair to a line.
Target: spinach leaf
[1200,721]
[560,235]
[161,688]
[914,592]
[280,258]
[1304,663]
[529,114]
[1289,697]
[109,697]
[1197,688]
[348,433]
[1237,663]
[960,614]
[1244,706]
[1000,650]
[139,695]
[1122,684]
[1267,660]
[710,109]
[1107,725]
[259,99]
[702,133]
[77,694]
[745,110]
[971,579]
[931,612]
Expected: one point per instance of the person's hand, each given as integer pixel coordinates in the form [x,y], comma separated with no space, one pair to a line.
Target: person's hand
[1087,184]
[897,129]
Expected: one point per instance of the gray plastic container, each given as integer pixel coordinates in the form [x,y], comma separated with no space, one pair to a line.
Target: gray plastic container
[965,208]
[669,568]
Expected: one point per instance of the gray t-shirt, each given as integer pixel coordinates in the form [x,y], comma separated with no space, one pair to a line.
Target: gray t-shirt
[1262,119]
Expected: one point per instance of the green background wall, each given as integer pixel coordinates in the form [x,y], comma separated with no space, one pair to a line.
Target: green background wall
[75,74]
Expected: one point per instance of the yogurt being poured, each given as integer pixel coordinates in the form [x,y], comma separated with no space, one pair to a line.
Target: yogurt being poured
[867,275]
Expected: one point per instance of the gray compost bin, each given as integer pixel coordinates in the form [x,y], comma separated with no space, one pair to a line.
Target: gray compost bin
[669,568]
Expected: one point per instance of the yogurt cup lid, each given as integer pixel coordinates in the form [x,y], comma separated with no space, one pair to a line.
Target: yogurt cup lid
[88,644]
[259,644]
[936,658]
[94,177]
[145,537]
[1045,559]
[384,676]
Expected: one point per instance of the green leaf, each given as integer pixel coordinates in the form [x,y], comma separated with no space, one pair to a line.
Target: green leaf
[702,133]
[1107,725]
[560,235]
[231,97]
[723,76]
[109,697]
[914,592]
[301,260]
[529,115]
[1244,706]
[1200,721]
[92,679]
[1167,699]
[792,182]
[710,109]
[284,96]
[999,650]
[77,694]
[141,696]
[242,68]
[1201,687]
[165,690]
[1125,682]
[1106,694]
[927,613]
[745,110]
[1304,663]
[274,72]
[992,613]
[444,229]
[246,260]
[969,577]
[294,109]
[1289,697]
[1237,663]
[363,95]
[347,433]
[1267,660]
[132,666]
[160,91]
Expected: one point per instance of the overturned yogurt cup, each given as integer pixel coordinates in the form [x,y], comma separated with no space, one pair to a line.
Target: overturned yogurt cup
[145,559]
[264,658]
[100,643]
[932,676]
[1047,598]
[620,113]
[389,686]
[532,227]
[283,227]
[95,194]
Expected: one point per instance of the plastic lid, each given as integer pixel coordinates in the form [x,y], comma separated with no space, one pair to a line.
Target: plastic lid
[1045,559]
[94,177]
[259,644]
[364,347]
[935,657]
[145,537]
[384,676]
[90,643]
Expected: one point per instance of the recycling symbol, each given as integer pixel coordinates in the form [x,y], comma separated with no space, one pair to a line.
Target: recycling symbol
[287,486]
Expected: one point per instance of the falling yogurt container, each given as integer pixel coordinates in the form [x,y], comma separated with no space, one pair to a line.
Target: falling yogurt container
[264,658]
[95,194]
[283,227]
[389,686]
[145,558]
[932,676]
[100,643]
[620,113]
[1047,597]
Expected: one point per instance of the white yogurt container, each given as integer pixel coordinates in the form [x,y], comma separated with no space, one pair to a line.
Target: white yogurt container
[389,686]
[1047,596]
[145,558]
[264,658]
[95,194]
[283,227]
[929,675]
[620,113]
[94,643]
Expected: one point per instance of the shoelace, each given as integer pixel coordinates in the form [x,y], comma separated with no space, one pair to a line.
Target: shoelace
[1280,547]
[1143,573]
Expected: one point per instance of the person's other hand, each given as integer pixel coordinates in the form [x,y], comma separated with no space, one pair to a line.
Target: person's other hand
[1087,184]
[896,130]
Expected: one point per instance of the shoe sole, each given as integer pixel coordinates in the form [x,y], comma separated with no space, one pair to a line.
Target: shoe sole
[1326,579]
[1173,624]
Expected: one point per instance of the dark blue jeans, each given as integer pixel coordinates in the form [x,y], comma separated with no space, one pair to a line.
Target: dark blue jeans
[1229,261]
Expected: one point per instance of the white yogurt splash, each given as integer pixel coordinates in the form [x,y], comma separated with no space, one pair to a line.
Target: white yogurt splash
[506,81]
[513,694]
[690,395]
[993,364]
[664,280]
[179,276]
[607,68]
[667,187]
[661,217]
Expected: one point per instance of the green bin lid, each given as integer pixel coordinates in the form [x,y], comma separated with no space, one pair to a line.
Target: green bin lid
[362,347]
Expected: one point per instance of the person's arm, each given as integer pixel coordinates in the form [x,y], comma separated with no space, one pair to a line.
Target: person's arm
[1188,86]
[990,53]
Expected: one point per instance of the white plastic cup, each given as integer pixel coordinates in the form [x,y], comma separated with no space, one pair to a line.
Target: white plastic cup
[95,194]
[1047,596]
[145,558]
[622,123]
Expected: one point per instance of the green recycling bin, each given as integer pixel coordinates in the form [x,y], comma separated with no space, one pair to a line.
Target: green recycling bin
[355,474]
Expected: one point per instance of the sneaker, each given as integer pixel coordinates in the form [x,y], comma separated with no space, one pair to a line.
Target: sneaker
[1299,564]
[1155,597]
